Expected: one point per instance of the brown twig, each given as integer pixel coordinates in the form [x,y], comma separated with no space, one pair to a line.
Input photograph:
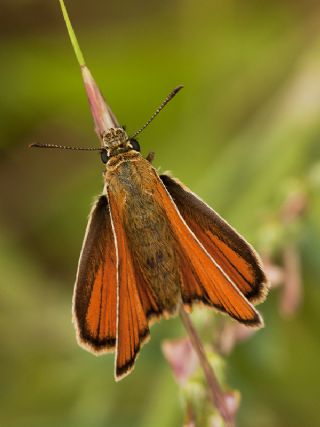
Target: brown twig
[216,393]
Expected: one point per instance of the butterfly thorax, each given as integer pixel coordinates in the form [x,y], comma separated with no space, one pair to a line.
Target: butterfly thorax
[120,157]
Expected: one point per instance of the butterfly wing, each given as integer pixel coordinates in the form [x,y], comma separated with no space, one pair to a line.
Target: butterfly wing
[203,280]
[148,274]
[229,250]
[95,293]
[132,328]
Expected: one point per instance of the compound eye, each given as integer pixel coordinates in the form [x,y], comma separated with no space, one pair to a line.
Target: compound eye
[135,144]
[104,156]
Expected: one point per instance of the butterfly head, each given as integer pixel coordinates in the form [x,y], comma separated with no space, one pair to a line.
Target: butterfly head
[116,141]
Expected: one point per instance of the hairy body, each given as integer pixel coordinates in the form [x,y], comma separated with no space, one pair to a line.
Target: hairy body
[130,180]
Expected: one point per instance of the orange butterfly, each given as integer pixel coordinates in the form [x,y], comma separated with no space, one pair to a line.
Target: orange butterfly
[152,246]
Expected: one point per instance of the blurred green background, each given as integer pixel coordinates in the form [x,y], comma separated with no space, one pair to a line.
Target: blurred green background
[244,134]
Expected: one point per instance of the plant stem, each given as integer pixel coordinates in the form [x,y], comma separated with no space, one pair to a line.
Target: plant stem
[216,394]
[72,35]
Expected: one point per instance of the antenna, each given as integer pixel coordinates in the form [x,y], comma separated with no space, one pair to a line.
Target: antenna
[161,106]
[64,147]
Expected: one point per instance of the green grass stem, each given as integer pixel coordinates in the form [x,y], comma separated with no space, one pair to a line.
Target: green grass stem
[72,35]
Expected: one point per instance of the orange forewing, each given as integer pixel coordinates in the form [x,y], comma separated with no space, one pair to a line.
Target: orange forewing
[132,329]
[230,251]
[95,295]
[203,280]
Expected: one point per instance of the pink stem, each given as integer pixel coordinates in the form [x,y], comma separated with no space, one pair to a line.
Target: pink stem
[216,394]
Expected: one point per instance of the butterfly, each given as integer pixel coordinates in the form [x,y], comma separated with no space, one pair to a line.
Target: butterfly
[151,248]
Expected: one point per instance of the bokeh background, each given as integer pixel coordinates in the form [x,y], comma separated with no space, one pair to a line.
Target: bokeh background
[244,134]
